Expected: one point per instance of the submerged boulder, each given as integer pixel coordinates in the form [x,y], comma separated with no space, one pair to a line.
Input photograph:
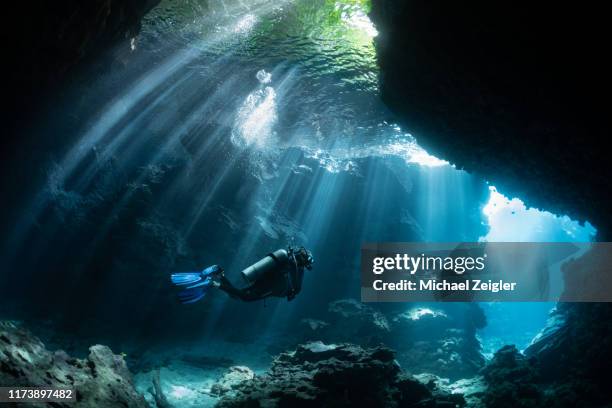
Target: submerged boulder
[512,380]
[232,380]
[318,374]
[358,316]
[428,339]
[566,365]
[574,351]
[102,379]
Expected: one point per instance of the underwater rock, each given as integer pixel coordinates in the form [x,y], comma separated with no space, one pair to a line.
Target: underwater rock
[439,340]
[54,39]
[102,379]
[574,351]
[512,380]
[449,357]
[231,380]
[550,335]
[358,317]
[421,323]
[318,374]
[470,390]
[439,395]
[503,99]
[566,365]
[430,340]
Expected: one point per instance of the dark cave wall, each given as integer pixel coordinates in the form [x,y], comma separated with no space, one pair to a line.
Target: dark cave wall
[49,39]
[512,91]
[515,92]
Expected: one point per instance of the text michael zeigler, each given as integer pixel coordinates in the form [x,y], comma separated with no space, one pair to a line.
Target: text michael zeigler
[485,272]
[422,263]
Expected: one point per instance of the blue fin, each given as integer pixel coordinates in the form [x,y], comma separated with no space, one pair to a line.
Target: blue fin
[186,278]
[211,270]
[197,283]
[189,278]
[192,295]
[206,282]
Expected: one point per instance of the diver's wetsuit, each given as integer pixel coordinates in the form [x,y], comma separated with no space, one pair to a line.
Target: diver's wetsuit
[279,274]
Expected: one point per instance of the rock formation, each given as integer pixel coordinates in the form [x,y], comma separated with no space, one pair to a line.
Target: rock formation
[438,339]
[318,374]
[100,380]
[511,91]
[53,38]
[574,352]
[512,380]
[232,380]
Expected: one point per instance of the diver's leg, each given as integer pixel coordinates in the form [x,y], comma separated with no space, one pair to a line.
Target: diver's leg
[248,294]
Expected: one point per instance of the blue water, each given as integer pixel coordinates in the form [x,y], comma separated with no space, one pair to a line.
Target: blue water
[228,132]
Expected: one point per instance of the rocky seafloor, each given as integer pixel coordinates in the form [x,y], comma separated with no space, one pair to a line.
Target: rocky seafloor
[100,380]
[439,365]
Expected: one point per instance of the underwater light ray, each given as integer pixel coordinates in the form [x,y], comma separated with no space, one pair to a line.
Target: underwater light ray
[313,190]
[124,104]
[205,154]
[245,151]
[285,193]
[269,199]
[202,154]
[198,109]
[157,159]
[319,207]
[120,106]
[113,114]
[209,193]
[194,118]
[120,142]
[371,211]
[89,175]
[443,203]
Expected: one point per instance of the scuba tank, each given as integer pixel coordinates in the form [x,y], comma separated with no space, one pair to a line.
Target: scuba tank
[266,266]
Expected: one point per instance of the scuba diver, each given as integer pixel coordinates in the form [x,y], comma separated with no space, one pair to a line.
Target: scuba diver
[278,274]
